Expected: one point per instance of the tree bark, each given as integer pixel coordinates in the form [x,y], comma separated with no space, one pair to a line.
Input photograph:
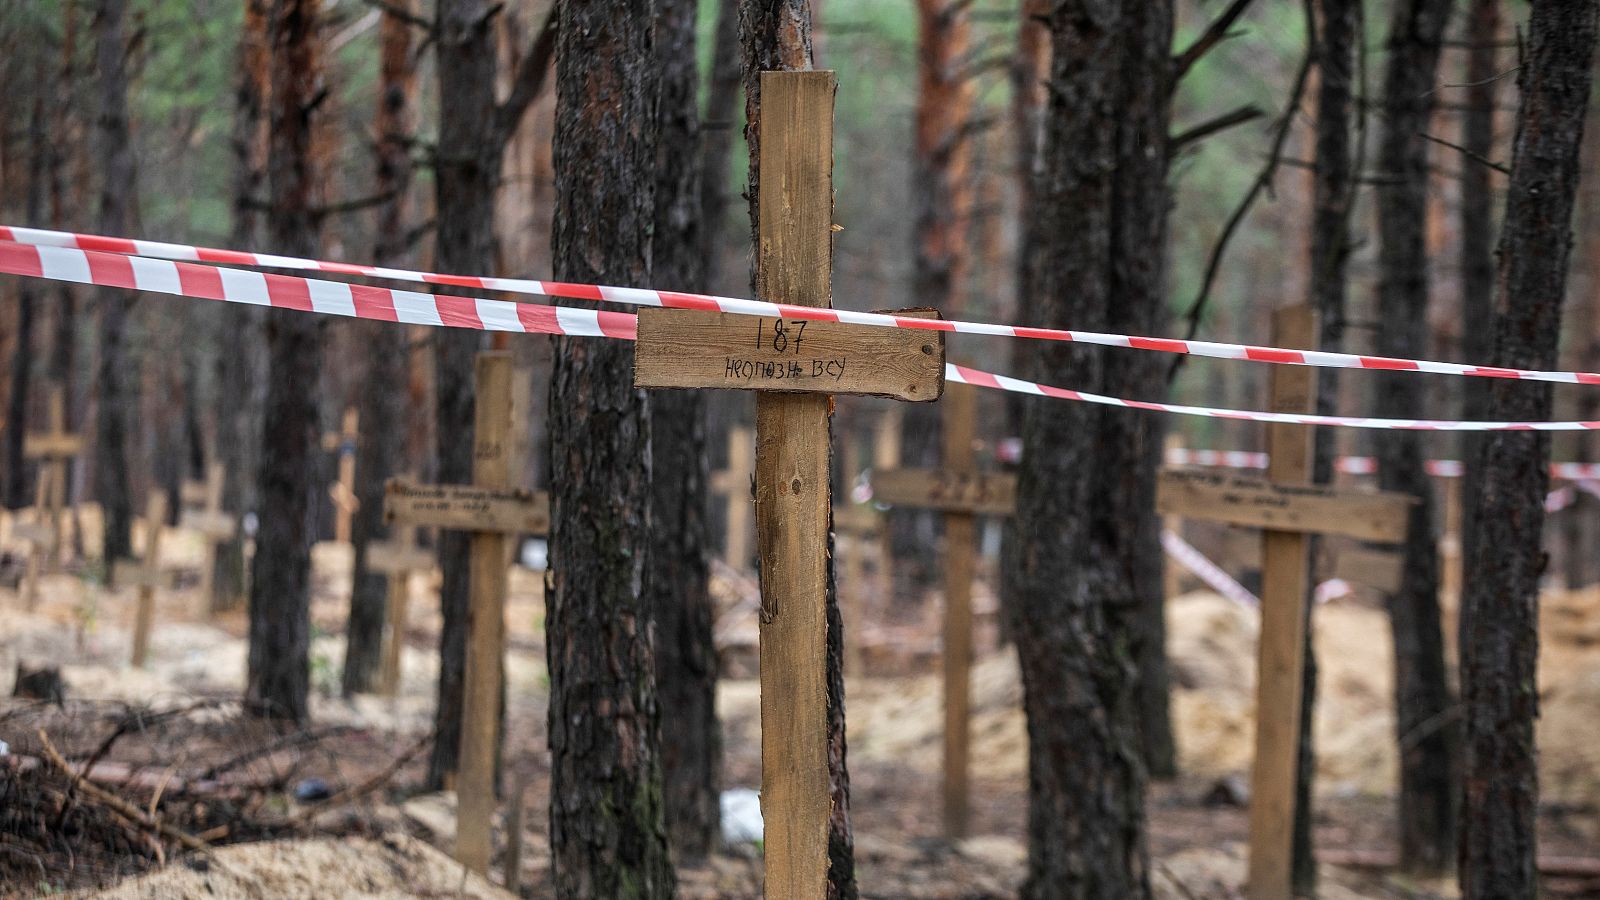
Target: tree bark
[118,379]
[1100,217]
[607,829]
[679,574]
[1500,651]
[279,670]
[1428,738]
[380,449]
[775,35]
[466,172]
[719,126]
[18,493]
[241,363]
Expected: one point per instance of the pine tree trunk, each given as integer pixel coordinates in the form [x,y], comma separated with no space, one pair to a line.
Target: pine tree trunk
[719,127]
[678,582]
[279,670]
[466,172]
[380,448]
[775,35]
[1428,739]
[18,490]
[1500,651]
[241,363]
[1100,217]
[607,827]
[118,379]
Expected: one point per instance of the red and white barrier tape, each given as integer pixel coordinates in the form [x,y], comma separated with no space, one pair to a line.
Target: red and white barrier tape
[677,300]
[411,307]
[1356,465]
[1184,553]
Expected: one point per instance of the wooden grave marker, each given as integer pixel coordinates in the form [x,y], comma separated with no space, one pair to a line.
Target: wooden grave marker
[343,491]
[792,480]
[1288,509]
[396,559]
[963,494]
[1380,570]
[202,512]
[493,511]
[146,574]
[734,484]
[55,447]
[860,524]
[40,533]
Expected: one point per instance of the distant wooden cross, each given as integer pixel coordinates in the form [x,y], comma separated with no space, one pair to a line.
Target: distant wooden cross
[343,491]
[861,525]
[794,363]
[1289,509]
[146,574]
[397,558]
[39,534]
[493,511]
[962,493]
[55,447]
[733,483]
[202,512]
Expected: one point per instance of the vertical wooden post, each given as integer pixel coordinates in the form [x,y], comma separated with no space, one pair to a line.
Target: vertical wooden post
[1171,576]
[1280,658]
[794,265]
[41,540]
[1450,546]
[394,647]
[344,492]
[852,587]
[738,489]
[58,476]
[886,457]
[960,534]
[155,517]
[491,468]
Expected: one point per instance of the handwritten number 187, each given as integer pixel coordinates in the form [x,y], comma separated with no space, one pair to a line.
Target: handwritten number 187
[784,334]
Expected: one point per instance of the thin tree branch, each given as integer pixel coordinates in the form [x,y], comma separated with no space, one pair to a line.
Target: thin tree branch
[532,73]
[1214,34]
[406,16]
[1197,308]
[1197,133]
[350,206]
[1469,154]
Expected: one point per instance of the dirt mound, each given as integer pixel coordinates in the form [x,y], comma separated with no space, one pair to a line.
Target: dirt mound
[391,866]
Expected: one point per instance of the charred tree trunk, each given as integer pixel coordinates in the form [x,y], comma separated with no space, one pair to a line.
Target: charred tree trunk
[607,827]
[678,581]
[466,171]
[1100,219]
[1333,193]
[18,493]
[1427,736]
[279,671]
[775,35]
[1500,652]
[381,445]
[241,363]
[118,379]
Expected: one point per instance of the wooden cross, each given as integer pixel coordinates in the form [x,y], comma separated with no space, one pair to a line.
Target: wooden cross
[862,524]
[397,558]
[962,493]
[733,483]
[202,512]
[146,574]
[1289,509]
[795,364]
[55,446]
[343,491]
[492,510]
[40,533]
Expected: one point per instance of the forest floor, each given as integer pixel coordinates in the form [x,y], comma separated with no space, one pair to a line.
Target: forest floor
[182,746]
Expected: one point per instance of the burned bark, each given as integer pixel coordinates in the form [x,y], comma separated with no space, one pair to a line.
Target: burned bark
[1499,671]
[381,445]
[1427,735]
[1100,213]
[279,671]
[607,828]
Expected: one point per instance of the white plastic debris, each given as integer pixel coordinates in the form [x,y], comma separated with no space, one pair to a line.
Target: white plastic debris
[741,816]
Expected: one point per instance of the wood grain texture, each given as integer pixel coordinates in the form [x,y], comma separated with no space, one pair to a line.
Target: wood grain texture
[977,493]
[734,484]
[491,468]
[794,265]
[1376,569]
[1280,657]
[1263,503]
[680,348]
[467,507]
[155,516]
[960,536]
